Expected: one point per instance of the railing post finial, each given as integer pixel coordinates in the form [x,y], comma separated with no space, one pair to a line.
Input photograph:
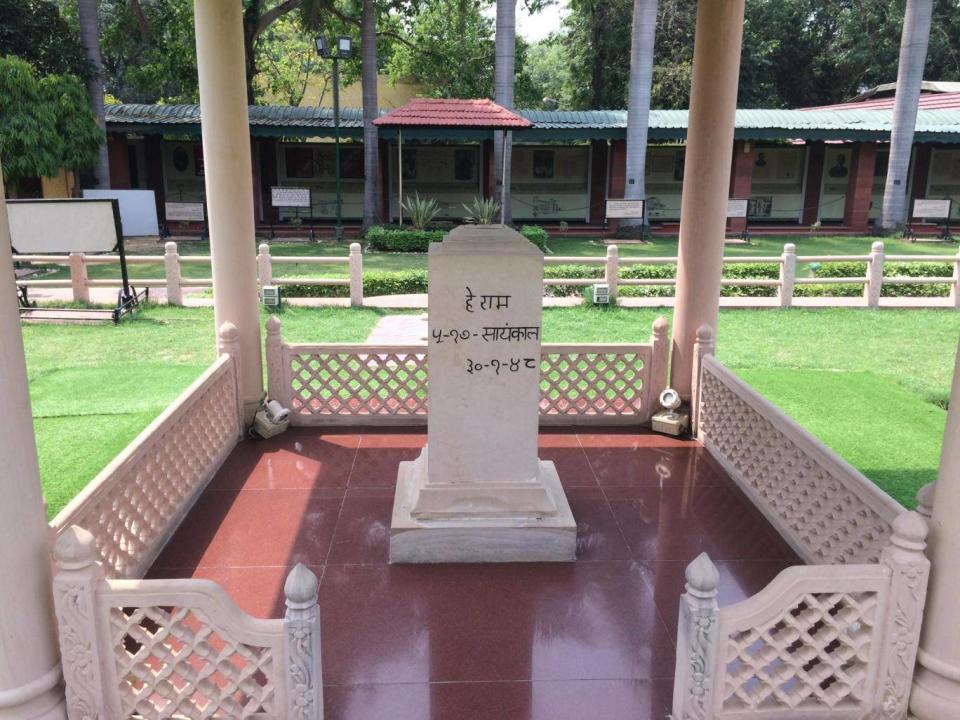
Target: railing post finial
[611,273]
[277,387]
[75,586]
[874,284]
[705,344]
[356,275]
[696,641]
[909,571]
[228,339]
[171,269]
[788,274]
[303,668]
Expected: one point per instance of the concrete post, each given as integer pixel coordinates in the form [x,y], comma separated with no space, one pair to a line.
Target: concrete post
[356,275]
[741,180]
[611,273]
[871,291]
[706,179]
[229,183]
[171,266]
[936,682]
[78,278]
[30,677]
[788,274]
[265,265]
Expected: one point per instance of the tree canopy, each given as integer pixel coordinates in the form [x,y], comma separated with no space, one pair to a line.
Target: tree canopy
[45,123]
[35,31]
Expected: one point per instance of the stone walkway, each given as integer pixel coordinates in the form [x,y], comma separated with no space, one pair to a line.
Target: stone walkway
[399,330]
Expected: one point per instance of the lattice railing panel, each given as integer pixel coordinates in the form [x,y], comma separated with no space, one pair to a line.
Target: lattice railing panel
[359,383]
[828,511]
[813,655]
[593,382]
[605,382]
[135,504]
[174,662]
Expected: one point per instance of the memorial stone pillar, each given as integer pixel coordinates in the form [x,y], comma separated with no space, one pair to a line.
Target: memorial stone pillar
[478,492]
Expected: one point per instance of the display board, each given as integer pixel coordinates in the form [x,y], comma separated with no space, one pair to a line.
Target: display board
[290,197]
[737,207]
[39,227]
[931,209]
[624,209]
[184,212]
[138,210]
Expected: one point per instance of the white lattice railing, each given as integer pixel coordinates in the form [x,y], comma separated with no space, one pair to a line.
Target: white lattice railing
[823,506]
[136,503]
[387,384]
[837,641]
[160,649]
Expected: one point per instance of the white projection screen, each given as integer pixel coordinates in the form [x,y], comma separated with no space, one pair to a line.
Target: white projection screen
[39,227]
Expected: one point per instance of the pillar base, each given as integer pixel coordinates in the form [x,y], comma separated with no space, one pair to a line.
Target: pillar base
[504,531]
[42,699]
[934,696]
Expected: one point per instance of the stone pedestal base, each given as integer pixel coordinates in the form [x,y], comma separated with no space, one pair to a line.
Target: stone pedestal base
[471,534]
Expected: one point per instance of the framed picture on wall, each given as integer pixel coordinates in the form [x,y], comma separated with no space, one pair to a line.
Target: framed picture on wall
[543,163]
[299,162]
[464,164]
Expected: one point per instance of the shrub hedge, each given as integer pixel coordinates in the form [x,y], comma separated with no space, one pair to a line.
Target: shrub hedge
[392,238]
[890,269]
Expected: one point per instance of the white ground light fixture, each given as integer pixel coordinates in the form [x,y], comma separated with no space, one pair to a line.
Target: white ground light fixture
[668,420]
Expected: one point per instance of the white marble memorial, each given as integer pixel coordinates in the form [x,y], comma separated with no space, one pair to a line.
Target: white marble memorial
[478,492]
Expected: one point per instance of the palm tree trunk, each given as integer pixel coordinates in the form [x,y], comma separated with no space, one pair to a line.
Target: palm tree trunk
[913,56]
[371,145]
[90,35]
[503,79]
[638,104]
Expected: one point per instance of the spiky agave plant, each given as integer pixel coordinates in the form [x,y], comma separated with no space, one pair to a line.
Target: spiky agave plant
[421,211]
[482,211]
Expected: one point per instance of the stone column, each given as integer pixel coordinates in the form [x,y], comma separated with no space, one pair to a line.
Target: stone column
[741,180]
[856,208]
[706,178]
[478,492]
[936,683]
[229,183]
[30,678]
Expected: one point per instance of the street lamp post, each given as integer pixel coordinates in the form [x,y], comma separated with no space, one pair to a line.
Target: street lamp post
[343,50]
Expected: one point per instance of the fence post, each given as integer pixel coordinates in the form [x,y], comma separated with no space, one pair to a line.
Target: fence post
[264,266]
[228,343]
[275,375]
[705,344]
[301,640]
[611,273]
[75,605]
[788,274]
[696,640]
[955,287]
[909,572]
[871,291]
[659,364]
[171,266]
[78,278]
[356,275]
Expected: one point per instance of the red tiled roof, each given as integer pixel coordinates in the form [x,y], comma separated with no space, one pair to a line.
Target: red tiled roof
[430,112]
[928,101]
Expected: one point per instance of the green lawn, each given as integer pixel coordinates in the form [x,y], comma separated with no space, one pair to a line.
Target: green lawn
[870,384]
[559,245]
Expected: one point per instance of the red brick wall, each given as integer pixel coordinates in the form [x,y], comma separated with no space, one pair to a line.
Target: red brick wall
[598,180]
[811,193]
[741,178]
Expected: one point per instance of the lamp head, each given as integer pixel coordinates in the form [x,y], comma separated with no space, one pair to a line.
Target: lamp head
[323,47]
[670,399]
[344,47]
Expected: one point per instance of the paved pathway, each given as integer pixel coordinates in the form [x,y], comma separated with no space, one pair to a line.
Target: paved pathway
[399,330]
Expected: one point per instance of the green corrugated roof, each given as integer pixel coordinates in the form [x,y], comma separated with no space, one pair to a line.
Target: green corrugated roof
[754,124]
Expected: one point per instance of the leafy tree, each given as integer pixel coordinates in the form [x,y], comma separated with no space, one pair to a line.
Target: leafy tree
[45,123]
[544,75]
[35,31]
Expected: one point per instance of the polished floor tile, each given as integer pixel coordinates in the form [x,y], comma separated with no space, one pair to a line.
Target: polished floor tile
[589,639]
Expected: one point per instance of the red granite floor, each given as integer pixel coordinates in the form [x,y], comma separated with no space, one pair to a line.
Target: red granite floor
[589,639]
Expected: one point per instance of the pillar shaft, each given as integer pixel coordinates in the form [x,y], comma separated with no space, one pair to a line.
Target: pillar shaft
[29,660]
[936,687]
[706,178]
[741,178]
[811,191]
[229,182]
